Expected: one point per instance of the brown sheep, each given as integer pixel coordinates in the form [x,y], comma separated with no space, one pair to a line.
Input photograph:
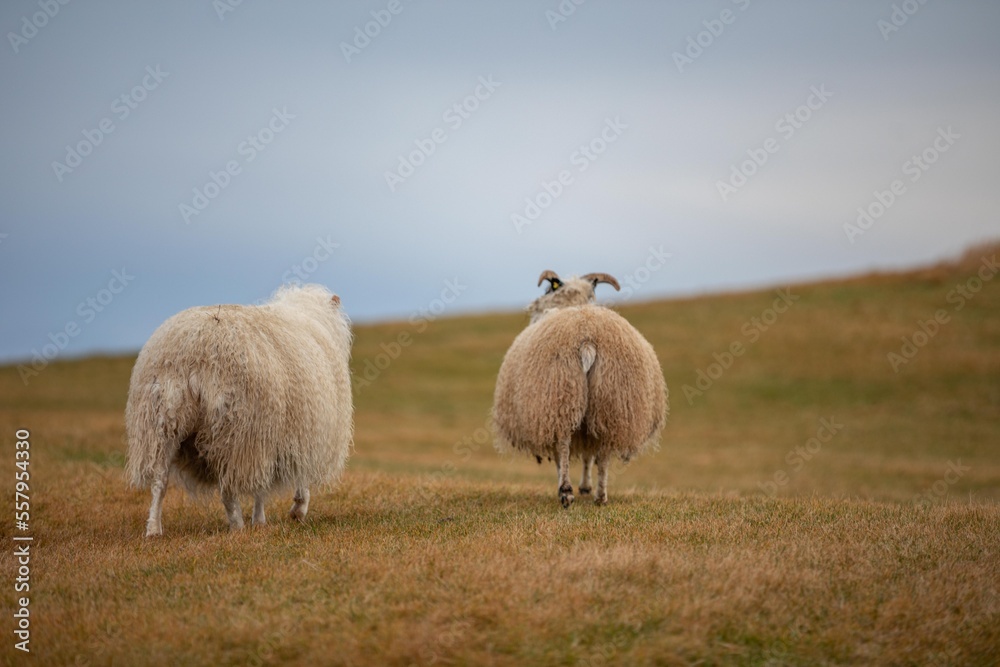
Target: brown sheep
[579,382]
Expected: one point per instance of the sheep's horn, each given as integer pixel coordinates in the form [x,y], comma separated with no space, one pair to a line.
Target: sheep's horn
[548,275]
[597,278]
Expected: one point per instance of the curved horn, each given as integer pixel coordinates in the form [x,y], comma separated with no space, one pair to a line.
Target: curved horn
[548,275]
[597,278]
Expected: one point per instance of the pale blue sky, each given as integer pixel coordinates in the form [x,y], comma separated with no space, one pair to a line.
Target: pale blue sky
[203,92]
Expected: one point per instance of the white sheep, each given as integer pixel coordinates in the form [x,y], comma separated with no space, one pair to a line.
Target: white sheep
[578,382]
[246,399]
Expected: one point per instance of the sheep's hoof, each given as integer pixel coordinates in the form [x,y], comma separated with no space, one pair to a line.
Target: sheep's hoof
[584,490]
[297,514]
[154,533]
[566,496]
[601,500]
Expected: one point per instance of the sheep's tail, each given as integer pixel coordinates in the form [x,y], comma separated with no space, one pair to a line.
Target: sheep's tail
[588,355]
[156,422]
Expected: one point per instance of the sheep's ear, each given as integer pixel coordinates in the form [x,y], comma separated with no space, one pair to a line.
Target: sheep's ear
[597,278]
[554,282]
[335,300]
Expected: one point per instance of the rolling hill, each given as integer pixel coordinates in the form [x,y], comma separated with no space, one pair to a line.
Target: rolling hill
[826,492]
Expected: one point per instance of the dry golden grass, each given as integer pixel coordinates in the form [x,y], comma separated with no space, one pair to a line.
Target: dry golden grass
[434,550]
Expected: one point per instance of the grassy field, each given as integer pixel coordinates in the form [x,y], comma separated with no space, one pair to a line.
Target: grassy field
[810,505]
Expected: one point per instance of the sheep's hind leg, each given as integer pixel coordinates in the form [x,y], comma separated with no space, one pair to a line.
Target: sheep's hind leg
[562,461]
[154,524]
[258,508]
[601,497]
[233,511]
[300,504]
[161,473]
[588,461]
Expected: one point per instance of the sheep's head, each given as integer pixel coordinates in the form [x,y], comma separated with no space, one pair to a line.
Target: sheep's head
[571,292]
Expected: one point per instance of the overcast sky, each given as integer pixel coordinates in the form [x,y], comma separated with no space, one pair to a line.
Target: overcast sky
[164,155]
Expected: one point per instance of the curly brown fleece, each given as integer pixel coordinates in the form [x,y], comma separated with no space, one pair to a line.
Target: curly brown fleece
[579,373]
